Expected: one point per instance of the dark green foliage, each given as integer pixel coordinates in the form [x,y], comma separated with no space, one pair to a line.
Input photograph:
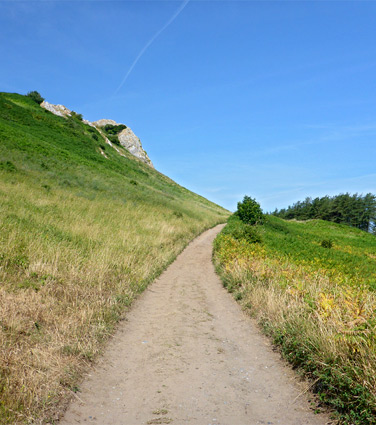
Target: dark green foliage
[76,116]
[353,210]
[7,166]
[35,96]
[249,233]
[113,139]
[240,230]
[327,243]
[112,132]
[133,182]
[114,129]
[178,214]
[95,136]
[249,211]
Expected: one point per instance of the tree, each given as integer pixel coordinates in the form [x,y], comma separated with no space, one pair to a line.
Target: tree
[249,211]
[369,217]
[34,95]
[354,210]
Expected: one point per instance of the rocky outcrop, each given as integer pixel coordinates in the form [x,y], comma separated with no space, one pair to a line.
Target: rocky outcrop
[59,110]
[128,140]
[133,144]
[103,122]
[126,137]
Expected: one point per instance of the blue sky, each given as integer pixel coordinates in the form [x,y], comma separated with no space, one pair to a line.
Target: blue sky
[273,99]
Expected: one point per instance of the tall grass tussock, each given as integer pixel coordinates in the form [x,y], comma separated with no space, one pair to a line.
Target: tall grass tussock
[81,236]
[317,302]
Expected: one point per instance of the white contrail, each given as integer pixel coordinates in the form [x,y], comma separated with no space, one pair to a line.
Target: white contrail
[173,17]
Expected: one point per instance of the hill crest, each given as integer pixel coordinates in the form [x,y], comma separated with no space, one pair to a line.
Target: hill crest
[126,137]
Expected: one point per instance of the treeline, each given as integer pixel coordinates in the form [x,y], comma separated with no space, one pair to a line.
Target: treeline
[354,210]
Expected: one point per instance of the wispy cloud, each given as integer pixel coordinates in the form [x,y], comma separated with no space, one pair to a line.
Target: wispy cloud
[147,45]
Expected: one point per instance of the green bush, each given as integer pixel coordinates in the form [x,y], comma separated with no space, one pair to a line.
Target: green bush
[34,95]
[249,233]
[249,211]
[239,230]
[114,140]
[327,243]
[114,129]
[76,116]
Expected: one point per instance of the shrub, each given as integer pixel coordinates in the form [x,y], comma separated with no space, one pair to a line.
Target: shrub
[249,211]
[239,230]
[327,243]
[114,129]
[247,232]
[114,140]
[35,96]
[251,234]
[72,123]
[76,116]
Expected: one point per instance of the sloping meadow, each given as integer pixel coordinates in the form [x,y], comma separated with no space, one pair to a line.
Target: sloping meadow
[80,236]
[311,285]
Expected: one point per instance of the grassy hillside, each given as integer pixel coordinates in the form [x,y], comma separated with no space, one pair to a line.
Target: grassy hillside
[317,302]
[80,236]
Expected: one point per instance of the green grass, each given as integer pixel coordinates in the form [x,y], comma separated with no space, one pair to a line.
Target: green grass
[352,256]
[65,151]
[81,236]
[317,303]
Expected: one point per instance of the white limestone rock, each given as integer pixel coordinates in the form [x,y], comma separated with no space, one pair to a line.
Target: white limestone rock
[133,144]
[59,110]
[128,140]
[103,122]
[88,123]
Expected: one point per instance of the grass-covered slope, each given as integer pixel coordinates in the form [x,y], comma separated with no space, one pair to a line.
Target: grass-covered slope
[80,236]
[317,302]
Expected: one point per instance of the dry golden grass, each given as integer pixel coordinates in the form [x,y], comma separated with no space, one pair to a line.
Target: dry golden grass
[69,268]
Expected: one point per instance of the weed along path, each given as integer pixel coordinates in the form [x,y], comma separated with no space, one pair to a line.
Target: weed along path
[188,355]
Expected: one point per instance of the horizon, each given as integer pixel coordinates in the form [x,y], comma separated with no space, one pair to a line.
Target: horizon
[267,99]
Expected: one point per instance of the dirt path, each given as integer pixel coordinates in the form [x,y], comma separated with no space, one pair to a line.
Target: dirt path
[188,355]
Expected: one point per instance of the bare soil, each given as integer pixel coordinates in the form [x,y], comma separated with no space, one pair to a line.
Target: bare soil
[187,354]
